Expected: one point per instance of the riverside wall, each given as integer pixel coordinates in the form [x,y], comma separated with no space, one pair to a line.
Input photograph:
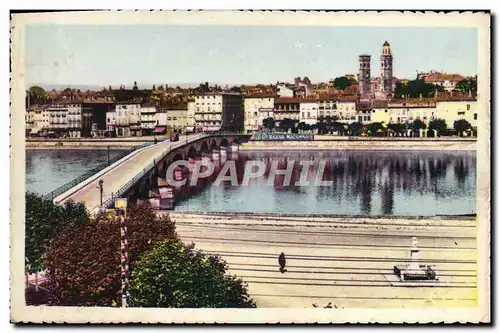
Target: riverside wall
[334,143]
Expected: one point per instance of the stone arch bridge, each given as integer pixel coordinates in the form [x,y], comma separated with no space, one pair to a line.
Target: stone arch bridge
[137,173]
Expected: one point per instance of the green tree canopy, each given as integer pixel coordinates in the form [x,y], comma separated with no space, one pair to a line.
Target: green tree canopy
[416,88]
[269,123]
[235,89]
[418,125]
[466,85]
[438,124]
[286,124]
[374,127]
[355,128]
[37,92]
[461,126]
[397,127]
[84,261]
[342,82]
[174,275]
[44,220]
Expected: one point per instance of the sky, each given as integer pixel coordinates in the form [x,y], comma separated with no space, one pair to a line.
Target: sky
[169,54]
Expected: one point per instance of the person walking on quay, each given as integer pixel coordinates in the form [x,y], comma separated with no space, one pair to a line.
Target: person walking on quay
[282,262]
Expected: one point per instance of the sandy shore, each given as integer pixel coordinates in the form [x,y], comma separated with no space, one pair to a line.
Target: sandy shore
[347,261]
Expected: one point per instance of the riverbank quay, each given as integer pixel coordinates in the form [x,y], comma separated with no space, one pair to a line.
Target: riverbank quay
[84,143]
[346,260]
[362,143]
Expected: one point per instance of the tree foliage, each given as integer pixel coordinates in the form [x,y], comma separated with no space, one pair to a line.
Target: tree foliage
[342,82]
[84,261]
[398,128]
[418,125]
[235,89]
[416,88]
[269,123]
[461,126]
[43,220]
[287,124]
[37,92]
[438,124]
[375,127]
[354,128]
[178,276]
[467,85]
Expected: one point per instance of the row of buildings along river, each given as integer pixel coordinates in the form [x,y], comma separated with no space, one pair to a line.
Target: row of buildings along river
[134,112]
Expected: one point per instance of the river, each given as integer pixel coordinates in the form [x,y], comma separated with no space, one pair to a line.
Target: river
[406,183]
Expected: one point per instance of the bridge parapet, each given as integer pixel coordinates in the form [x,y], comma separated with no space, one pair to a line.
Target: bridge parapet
[230,138]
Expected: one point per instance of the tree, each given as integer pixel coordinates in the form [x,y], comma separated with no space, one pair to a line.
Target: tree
[154,87]
[301,126]
[354,128]
[375,127]
[418,124]
[398,128]
[287,124]
[416,88]
[135,86]
[438,124]
[269,123]
[174,275]
[342,82]
[322,127]
[37,93]
[338,127]
[461,126]
[44,220]
[235,89]
[467,85]
[84,261]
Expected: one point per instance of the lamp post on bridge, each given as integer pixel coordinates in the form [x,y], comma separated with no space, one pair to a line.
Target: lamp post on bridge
[101,182]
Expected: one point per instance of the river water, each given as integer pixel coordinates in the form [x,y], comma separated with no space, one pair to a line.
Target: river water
[46,169]
[407,183]
[361,182]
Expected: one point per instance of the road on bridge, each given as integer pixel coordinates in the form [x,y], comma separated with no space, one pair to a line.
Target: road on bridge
[118,176]
[346,261]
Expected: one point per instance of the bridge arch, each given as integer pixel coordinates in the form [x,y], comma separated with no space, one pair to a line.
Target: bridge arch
[213,145]
[178,156]
[192,153]
[204,147]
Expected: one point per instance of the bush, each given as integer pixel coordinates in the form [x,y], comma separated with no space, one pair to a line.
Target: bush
[84,261]
[178,276]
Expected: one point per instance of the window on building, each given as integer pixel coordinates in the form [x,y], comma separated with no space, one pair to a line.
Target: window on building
[303,114]
[468,107]
[308,114]
[475,116]
[461,113]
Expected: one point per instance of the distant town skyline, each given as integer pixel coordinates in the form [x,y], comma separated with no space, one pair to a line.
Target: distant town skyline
[97,56]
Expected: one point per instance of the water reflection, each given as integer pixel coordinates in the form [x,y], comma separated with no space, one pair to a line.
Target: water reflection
[362,182]
[47,169]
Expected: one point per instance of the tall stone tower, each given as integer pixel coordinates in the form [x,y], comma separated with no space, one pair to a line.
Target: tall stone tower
[364,76]
[386,70]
